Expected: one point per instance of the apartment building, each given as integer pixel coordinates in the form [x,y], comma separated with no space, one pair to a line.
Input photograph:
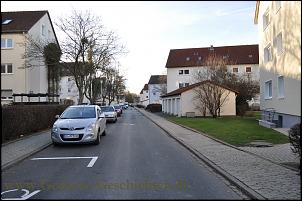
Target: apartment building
[157,86]
[183,64]
[16,26]
[144,96]
[279,27]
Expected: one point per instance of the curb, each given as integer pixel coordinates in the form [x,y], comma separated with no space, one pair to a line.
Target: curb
[21,158]
[243,187]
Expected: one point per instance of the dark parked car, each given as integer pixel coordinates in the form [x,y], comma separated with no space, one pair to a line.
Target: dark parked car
[118,110]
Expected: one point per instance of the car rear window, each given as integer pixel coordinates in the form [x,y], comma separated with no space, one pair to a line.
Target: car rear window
[107,109]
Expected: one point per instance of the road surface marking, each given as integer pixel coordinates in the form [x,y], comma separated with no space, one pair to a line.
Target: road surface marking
[91,163]
[23,197]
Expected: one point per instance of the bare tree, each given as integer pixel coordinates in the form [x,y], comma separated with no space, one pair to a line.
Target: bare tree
[89,47]
[43,52]
[210,95]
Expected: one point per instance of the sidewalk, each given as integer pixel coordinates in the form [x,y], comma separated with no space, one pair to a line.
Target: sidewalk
[258,177]
[15,151]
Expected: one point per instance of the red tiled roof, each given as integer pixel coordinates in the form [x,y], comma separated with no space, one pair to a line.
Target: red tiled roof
[145,88]
[158,79]
[183,89]
[21,20]
[236,55]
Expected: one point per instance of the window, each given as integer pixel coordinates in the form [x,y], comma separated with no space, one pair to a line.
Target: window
[180,85]
[277,5]
[6,43]
[268,53]
[188,58]
[7,94]
[43,30]
[187,84]
[6,22]
[180,72]
[6,68]
[278,43]
[248,69]
[199,58]
[146,96]
[268,89]
[280,87]
[235,70]
[266,19]
[69,90]
[154,93]
[187,72]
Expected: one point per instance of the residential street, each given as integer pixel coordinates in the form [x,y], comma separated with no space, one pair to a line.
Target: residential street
[136,160]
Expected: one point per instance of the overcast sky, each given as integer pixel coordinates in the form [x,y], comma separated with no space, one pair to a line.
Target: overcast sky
[150,29]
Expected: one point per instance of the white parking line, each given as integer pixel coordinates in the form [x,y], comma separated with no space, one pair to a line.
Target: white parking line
[25,196]
[91,163]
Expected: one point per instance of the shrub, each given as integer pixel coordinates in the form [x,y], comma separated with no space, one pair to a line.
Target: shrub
[140,106]
[241,109]
[154,107]
[25,119]
[294,139]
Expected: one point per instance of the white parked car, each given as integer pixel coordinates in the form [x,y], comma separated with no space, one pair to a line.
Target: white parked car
[79,124]
[110,113]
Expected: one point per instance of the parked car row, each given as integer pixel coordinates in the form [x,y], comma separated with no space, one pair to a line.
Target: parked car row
[84,123]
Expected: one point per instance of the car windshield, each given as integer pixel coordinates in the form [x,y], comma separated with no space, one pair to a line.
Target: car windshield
[78,113]
[107,109]
[117,107]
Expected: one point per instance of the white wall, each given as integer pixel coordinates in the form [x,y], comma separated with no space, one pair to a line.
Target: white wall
[188,104]
[37,76]
[286,20]
[155,91]
[173,77]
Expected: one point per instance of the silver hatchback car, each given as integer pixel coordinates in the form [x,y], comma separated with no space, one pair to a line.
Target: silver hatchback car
[79,124]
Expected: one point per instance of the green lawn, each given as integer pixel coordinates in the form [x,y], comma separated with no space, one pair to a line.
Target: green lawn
[237,131]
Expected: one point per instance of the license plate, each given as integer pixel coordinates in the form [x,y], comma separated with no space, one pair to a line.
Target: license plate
[71,136]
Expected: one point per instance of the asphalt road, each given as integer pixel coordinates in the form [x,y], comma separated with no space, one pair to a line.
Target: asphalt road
[136,160]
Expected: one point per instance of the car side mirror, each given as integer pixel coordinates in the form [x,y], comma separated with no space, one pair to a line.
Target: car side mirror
[57,116]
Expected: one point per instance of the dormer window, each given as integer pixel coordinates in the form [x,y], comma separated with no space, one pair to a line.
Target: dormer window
[225,56]
[6,21]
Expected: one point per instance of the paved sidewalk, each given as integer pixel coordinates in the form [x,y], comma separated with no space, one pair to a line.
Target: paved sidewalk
[258,177]
[17,150]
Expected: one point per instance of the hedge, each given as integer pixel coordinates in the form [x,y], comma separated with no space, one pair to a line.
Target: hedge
[154,107]
[25,119]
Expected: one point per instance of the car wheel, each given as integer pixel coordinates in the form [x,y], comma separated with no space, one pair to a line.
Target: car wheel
[115,120]
[97,141]
[104,133]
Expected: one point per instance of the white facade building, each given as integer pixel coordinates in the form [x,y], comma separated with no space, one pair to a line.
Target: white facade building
[181,102]
[279,29]
[157,87]
[16,79]
[144,96]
